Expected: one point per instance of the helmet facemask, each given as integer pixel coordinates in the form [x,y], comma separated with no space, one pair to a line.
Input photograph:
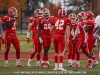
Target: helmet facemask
[15,14]
[73,20]
[46,15]
[79,18]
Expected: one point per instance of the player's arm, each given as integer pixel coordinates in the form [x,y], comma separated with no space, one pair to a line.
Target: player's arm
[39,29]
[10,23]
[52,29]
[68,30]
[39,33]
[1,32]
[28,32]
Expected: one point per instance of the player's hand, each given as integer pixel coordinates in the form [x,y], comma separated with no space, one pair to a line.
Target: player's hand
[3,41]
[28,40]
[40,40]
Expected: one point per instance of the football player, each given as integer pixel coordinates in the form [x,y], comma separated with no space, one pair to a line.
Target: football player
[60,27]
[11,36]
[72,42]
[45,26]
[81,44]
[96,29]
[33,25]
[89,26]
[1,34]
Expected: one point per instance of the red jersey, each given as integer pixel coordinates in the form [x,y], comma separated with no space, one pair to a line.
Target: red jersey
[9,29]
[90,23]
[60,25]
[46,26]
[73,30]
[0,21]
[81,29]
[0,24]
[34,23]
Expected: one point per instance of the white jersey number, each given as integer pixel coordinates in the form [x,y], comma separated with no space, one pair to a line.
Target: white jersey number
[59,24]
[74,32]
[47,26]
[14,26]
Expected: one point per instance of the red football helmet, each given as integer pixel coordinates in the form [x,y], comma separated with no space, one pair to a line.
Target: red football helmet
[46,13]
[89,15]
[81,15]
[62,13]
[72,15]
[12,11]
[37,13]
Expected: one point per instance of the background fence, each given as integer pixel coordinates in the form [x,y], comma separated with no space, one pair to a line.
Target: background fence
[74,6]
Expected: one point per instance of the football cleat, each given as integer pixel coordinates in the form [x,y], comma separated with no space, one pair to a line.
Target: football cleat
[19,65]
[29,63]
[38,65]
[95,64]
[55,69]
[61,69]
[88,66]
[77,65]
[6,65]
[42,64]
[47,65]
[73,65]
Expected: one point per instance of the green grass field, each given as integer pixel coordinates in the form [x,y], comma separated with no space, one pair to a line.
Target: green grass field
[28,47]
[33,70]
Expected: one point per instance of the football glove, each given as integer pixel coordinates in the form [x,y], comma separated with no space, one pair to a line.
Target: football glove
[40,40]
[28,40]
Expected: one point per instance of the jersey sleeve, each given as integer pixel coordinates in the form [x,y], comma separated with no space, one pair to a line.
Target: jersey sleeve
[30,21]
[53,20]
[40,20]
[5,18]
[89,23]
[68,22]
